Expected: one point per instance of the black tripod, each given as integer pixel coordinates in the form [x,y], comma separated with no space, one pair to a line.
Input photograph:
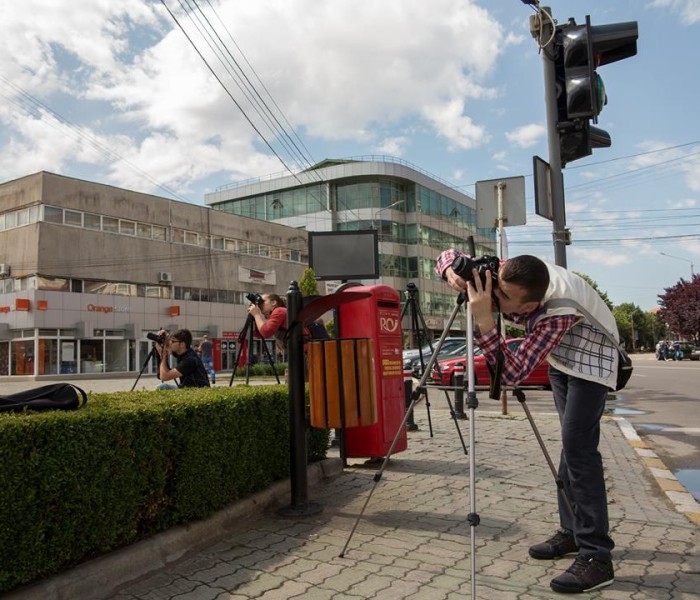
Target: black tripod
[245,339]
[151,354]
[420,332]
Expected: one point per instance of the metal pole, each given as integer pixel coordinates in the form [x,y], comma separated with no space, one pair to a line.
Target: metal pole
[459,392]
[502,252]
[472,404]
[408,392]
[300,505]
[559,234]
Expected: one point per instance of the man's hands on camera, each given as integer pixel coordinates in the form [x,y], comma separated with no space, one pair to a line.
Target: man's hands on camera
[480,296]
[164,348]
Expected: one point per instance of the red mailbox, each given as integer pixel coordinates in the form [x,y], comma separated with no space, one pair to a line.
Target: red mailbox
[378,317]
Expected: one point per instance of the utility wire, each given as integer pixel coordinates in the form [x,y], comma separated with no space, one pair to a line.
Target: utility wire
[247,87]
[36,108]
[303,151]
[233,69]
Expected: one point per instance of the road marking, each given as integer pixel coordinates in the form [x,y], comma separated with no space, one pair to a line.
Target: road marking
[675,491]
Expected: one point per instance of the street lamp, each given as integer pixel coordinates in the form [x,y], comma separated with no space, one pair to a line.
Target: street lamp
[374,216]
[692,272]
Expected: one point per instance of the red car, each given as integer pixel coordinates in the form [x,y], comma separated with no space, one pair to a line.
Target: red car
[538,377]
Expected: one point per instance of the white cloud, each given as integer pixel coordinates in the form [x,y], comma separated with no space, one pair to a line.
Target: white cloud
[527,135]
[689,10]
[600,256]
[125,74]
[459,129]
[392,146]
[683,203]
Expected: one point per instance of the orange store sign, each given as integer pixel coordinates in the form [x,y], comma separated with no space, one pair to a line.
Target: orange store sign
[106,309]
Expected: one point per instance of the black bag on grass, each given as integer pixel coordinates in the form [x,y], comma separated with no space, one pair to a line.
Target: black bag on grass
[63,396]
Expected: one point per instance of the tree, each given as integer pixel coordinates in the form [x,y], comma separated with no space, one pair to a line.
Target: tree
[680,308]
[635,326]
[308,284]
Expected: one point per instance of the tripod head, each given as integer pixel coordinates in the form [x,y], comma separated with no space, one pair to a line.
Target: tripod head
[411,290]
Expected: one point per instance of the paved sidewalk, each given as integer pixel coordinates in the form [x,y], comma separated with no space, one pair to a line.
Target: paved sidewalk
[414,541]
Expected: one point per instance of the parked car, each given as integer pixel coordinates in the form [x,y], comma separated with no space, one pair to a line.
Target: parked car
[538,377]
[695,354]
[417,368]
[687,350]
[411,356]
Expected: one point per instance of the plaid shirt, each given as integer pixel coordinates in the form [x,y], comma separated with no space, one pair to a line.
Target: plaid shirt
[544,337]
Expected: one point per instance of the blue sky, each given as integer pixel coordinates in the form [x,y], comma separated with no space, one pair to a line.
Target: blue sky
[114,92]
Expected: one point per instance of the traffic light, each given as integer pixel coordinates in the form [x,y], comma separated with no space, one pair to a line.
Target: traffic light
[579,51]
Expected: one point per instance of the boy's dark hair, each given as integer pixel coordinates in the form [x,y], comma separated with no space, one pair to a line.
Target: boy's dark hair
[182,335]
[530,273]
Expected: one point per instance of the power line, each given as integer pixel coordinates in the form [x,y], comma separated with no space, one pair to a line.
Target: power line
[36,108]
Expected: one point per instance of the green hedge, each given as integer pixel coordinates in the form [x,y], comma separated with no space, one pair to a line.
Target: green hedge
[77,484]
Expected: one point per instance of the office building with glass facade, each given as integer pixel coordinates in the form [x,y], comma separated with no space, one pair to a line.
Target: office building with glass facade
[416,216]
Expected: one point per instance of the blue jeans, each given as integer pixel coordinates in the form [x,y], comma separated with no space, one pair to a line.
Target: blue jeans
[209,366]
[580,405]
[167,385]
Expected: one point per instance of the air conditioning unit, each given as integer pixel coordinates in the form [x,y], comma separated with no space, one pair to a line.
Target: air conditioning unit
[165,277]
[5,270]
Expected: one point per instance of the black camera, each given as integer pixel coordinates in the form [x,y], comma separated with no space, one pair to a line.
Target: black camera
[463,266]
[256,299]
[157,338]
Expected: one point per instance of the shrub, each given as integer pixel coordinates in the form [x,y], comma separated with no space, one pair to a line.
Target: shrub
[128,465]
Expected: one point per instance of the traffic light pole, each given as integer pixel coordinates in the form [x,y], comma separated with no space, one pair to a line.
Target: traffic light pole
[545,34]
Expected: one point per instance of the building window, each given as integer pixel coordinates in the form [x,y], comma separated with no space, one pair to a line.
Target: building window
[143,230]
[127,227]
[178,236]
[110,224]
[159,233]
[91,221]
[73,217]
[53,214]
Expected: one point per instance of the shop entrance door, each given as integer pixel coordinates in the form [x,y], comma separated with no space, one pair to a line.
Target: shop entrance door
[228,354]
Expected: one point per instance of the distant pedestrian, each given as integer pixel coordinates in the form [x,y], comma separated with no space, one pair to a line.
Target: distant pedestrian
[676,349]
[206,349]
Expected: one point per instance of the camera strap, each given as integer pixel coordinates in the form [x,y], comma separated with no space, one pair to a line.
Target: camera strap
[496,371]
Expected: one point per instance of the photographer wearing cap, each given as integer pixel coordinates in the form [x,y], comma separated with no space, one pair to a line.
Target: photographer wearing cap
[582,368]
[270,314]
[189,368]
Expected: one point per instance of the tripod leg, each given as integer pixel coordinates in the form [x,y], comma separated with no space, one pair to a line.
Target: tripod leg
[151,354]
[520,395]
[242,341]
[414,323]
[266,351]
[472,404]
[418,315]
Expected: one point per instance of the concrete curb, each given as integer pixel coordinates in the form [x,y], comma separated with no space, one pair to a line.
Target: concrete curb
[99,578]
[676,492]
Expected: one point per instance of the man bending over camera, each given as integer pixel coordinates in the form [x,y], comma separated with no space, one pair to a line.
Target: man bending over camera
[582,367]
[189,368]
